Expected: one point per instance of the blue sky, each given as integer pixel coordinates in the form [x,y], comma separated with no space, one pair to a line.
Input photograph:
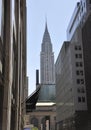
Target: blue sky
[58,14]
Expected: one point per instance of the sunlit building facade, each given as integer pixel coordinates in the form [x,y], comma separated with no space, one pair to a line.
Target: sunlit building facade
[12,63]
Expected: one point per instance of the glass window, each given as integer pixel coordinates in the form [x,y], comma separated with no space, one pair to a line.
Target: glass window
[83,99]
[80,90]
[79,99]
[78,55]
[80,81]
[78,47]
[79,72]
[79,64]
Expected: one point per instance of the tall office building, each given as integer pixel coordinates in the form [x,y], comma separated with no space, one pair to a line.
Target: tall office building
[12,63]
[70,88]
[73,72]
[81,33]
[47,60]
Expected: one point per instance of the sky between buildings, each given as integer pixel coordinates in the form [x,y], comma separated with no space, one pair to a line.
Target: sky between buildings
[58,14]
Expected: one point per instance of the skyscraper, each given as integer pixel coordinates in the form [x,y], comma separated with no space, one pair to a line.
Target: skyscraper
[47,60]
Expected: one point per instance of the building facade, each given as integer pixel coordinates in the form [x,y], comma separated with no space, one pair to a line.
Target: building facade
[70,88]
[12,63]
[44,117]
[80,15]
[73,79]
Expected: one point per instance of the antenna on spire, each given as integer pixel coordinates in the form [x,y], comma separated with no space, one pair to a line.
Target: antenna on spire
[46,20]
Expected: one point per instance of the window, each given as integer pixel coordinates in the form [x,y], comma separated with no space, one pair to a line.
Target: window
[81,90]
[79,64]
[77,47]
[79,72]
[80,81]
[83,99]
[78,56]
[79,99]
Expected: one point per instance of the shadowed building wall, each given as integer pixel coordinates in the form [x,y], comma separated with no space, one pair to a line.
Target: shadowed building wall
[12,63]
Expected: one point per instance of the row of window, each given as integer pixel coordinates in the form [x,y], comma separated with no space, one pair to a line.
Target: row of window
[81,90]
[79,64]
[80,81]
[79,72]
[78,56]
[77,47]
[81,99]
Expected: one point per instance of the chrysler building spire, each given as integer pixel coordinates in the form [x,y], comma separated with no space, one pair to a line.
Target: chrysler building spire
[47,59]
[46,37]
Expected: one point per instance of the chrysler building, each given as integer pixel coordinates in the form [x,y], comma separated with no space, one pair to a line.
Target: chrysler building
[47,68]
